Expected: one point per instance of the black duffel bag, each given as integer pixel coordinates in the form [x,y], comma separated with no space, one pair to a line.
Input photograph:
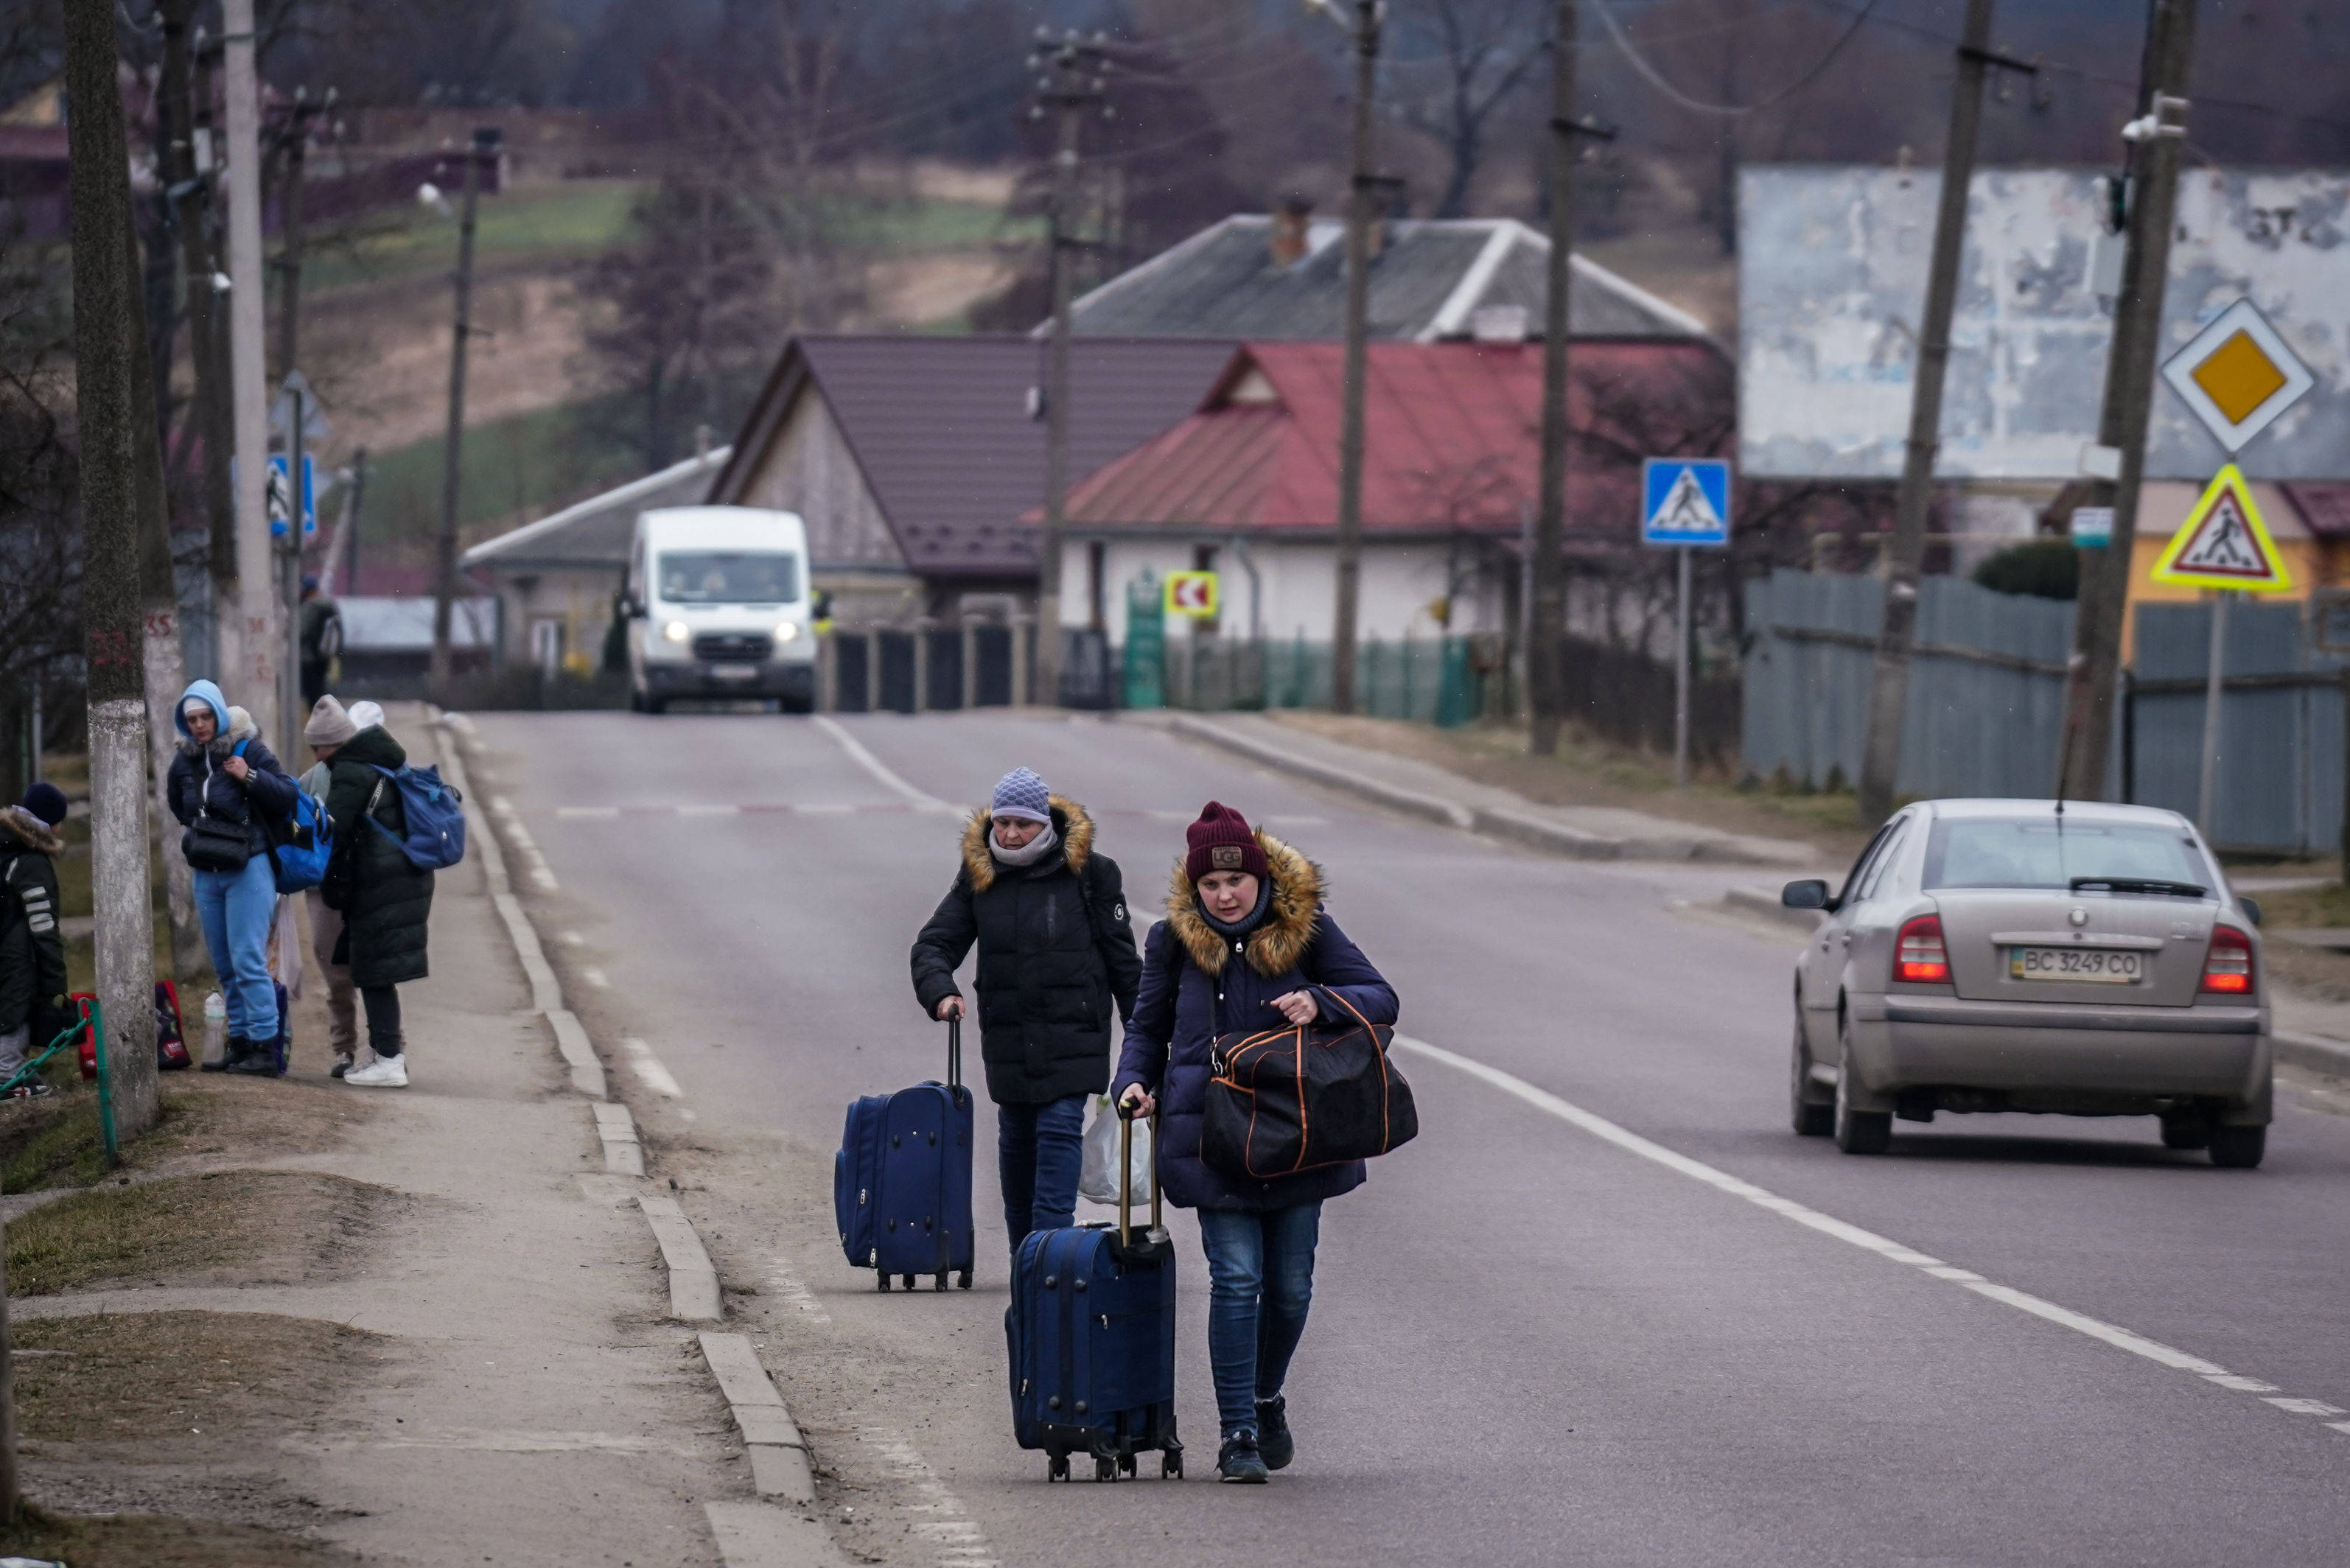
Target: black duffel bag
[1290,1100]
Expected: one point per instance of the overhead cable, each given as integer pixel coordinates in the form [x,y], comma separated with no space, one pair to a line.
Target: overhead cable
[1649,74]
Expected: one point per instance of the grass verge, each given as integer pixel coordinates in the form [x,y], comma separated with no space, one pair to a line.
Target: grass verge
[229,1227]
[151,1541]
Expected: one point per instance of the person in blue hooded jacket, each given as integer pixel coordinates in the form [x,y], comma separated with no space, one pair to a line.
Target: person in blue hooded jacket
[1245,946]
[222,771]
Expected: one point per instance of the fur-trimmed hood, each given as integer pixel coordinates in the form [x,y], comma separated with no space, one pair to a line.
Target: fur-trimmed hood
[29,830]
[1291,914]
[230,724]
[1069,820]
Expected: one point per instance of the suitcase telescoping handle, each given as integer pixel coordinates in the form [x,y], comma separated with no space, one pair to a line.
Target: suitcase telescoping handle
[1126,1173]
[955,1051]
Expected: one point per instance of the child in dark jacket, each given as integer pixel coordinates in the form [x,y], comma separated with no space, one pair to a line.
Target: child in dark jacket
[32,950]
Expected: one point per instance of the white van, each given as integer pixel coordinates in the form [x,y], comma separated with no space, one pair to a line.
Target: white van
[718,602]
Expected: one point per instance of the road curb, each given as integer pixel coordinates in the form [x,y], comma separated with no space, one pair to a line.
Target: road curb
[1764,902]
[779,1457]
[693,1279]
[1433,808]
[623,1154]
[1559,839]
[2314,1051]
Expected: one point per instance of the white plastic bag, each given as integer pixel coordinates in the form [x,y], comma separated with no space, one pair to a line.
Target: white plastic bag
[1097,1177]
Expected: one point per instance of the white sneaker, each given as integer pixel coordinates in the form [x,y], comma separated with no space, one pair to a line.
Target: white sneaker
[383,1073]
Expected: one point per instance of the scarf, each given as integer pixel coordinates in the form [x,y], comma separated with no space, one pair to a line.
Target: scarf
[1028,853]
[1246,923]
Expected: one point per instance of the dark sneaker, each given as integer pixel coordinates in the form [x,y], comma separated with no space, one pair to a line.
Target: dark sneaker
[32,1090]
[342,1065]
[233,1051]
[1238,1462]
[1272,1438]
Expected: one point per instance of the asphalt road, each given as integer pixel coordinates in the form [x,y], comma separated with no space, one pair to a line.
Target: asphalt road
[1606,1309]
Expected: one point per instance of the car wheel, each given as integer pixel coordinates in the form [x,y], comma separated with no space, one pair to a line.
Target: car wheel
[1858,1132]
[2239,1148]
[2186,1126]
[1812,1117]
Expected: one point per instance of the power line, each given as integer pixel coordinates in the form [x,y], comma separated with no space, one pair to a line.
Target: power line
[1649,74]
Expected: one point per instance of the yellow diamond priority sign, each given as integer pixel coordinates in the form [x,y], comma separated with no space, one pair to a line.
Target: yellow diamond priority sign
[2238,374]
[2224,544]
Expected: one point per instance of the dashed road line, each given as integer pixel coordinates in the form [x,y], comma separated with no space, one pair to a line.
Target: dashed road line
[882,772]
[794,1292]
[957,1540]
[1631,1142]
[649,1069]
[542,876]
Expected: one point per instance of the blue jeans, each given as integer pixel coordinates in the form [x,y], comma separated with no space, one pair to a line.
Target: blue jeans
[1039,1150]
[1260,1284]
[235,907]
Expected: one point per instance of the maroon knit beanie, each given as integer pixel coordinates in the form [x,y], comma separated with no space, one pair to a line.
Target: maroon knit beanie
[1221,841]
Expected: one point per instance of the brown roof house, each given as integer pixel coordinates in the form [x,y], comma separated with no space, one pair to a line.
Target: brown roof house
[913,459]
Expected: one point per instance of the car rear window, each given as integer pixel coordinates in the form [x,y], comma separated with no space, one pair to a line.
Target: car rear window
[1995,854]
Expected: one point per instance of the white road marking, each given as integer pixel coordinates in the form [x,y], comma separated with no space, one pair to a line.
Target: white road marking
[595,977]
[959,1541]
[649,1069]
[581,811]
[881,771]
[1631,1142]
[2241,1384]
[710,811]
[788,1286]
[571,939]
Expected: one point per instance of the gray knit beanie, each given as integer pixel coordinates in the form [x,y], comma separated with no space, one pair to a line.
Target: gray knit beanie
[1021,794]
[328,725]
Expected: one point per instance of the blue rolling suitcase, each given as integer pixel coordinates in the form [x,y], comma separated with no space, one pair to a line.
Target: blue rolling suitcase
[901,1182]
[1092,1334]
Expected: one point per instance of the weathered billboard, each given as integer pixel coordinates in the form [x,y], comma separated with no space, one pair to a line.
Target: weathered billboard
[1832,280]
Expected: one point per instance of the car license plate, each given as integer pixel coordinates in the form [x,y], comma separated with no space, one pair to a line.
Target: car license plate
[735,673]
[2095,966]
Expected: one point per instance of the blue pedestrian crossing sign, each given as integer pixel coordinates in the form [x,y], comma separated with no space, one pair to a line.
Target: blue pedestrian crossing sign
[281,502]
[1685,501]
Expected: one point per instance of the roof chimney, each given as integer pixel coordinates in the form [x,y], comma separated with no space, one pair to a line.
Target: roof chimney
[1498,324]
[1290,220]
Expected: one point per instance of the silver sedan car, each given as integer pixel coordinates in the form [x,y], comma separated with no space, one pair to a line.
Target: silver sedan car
[2020,955]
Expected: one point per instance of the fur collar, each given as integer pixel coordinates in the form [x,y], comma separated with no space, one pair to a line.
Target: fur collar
[1069,820]
[29,830]
[1290,916]
[240,728]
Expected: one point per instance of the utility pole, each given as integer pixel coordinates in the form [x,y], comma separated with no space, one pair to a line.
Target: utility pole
[2153,139]
[108,410]
[444,589]
[1074,86]
[1889,695]
[188,189]
[255,644]
[1362,188]
[1547,607]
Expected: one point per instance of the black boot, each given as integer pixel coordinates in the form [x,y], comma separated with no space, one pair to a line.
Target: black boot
[236,1049]
[259,1061]
[1272,1438]
[1240,1462]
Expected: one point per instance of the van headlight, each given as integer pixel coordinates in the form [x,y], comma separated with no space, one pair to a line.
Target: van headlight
[788,631]
[675,631]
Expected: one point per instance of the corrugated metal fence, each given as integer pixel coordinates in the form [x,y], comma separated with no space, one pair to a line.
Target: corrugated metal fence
[1986,703]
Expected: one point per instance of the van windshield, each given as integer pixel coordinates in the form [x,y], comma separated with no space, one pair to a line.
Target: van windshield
[728,577]
[1988,852]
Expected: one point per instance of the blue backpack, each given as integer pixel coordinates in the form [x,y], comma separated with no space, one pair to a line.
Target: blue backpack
[436,821]
[305,842]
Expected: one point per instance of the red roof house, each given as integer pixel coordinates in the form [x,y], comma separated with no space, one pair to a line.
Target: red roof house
[1248,483]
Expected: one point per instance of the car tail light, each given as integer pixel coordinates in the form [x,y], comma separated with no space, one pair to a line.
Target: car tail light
[1919,955]
[2227,966]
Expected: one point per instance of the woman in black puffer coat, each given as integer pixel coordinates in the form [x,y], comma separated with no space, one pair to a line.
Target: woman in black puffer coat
[385,901]
[1245,946]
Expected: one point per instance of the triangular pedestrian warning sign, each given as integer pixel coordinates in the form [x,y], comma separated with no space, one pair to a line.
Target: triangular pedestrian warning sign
[1686,510]
[2223,543]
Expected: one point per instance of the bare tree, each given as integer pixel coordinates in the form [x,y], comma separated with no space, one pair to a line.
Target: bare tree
[1479,52]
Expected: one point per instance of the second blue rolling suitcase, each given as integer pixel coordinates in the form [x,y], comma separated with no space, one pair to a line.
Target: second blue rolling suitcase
[901,1181]
[1092,1334]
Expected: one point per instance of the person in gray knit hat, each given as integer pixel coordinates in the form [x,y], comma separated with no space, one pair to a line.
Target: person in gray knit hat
[327,728]
[1047,913]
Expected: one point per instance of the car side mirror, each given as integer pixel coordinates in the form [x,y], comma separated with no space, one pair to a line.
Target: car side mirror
[2251,907]
[1809,894]
[635,609]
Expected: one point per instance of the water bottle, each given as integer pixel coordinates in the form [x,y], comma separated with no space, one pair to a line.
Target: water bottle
[215,1027]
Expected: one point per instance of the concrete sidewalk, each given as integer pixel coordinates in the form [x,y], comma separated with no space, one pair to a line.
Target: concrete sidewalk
[532,1404]
[1424,790]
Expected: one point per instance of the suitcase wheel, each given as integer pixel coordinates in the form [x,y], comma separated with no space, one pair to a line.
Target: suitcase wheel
[907,1280]
[1105,1470]
[1126,1465]
[1057,1469]
[883,1276]
[963,1281]
[941,1283]
[1171,1467]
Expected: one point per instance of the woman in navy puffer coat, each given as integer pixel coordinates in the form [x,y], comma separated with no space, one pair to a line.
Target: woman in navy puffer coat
[1245,946]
